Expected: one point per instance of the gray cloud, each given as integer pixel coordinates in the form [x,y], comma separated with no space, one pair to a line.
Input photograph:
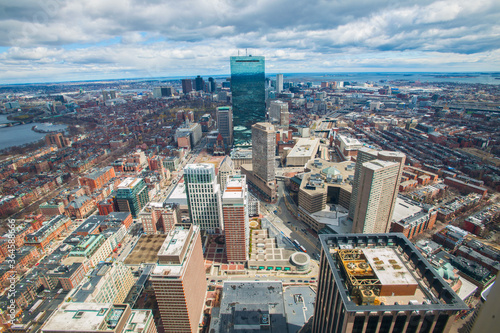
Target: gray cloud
[199,35]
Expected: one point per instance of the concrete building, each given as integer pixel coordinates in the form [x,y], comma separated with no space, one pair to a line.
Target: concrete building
[107,283]
[348,146]
[99,317]
[241,156]
[131,195]
[226,169]
[279,83]
[193,129]
[203,196]
[179,279]
[324,195]
[312,193]
[285,119]
[236,223]
[303,151]
[224,116]
[276,109]
[375,202]
[366,155]
[263,151]
[380,283]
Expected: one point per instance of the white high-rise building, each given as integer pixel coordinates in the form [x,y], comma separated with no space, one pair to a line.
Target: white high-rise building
[279,83]
[376,197]
[203,196]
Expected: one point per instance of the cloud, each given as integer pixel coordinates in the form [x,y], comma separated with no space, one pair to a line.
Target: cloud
[198,36]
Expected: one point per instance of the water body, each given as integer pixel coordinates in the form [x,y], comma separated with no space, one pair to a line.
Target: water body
[22,134]
[470,78]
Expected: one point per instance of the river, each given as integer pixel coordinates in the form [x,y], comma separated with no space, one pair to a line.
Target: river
[22,134]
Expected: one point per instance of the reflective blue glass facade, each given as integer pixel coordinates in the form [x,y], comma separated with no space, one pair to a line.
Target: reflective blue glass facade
[249,100]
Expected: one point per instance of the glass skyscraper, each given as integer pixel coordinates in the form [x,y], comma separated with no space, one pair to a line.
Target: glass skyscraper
[249,100]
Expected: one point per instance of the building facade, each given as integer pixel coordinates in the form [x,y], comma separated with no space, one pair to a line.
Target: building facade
[187,86]
[203,196]
[248,93]
[263,151]
[375,203]
[236,222]
[225,123]
[132,195]
[279,83]
[276,109]
[179,279]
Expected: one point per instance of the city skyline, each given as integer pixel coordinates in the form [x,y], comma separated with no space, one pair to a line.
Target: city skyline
[132,39]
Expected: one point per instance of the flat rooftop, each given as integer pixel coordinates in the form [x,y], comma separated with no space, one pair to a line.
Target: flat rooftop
[173,244]
[84,317]
[245,305]
[395,268]
[304,147]
[146,250]
[405,208]
[234,188]
[388,266]
[129,183]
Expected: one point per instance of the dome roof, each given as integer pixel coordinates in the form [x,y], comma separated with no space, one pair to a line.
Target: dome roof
[330,171]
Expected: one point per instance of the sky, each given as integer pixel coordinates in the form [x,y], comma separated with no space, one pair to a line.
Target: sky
[72,40]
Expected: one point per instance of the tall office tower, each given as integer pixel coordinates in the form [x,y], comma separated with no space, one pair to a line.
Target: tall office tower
[367,154]
[187,86]
[199,83]
[132,195]
[376,197]
[276,109]
[213,84]
[73,317]
[179,279]
[203,196]
[224,116]
[248,93]
[380,283]
[105,95]
[236,224]
[400,158]
[112,94]
[263,151]
[226,168]
[364,155]
[279,83]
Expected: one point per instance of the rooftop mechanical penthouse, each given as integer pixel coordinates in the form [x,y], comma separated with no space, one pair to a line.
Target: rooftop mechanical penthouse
[380,283]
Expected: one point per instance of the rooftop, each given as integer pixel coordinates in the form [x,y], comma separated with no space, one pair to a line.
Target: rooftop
[250,306]
[388,268]
[304,147]
[84,317]
[129,183]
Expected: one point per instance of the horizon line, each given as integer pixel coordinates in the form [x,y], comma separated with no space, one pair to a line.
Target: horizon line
[176,77]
